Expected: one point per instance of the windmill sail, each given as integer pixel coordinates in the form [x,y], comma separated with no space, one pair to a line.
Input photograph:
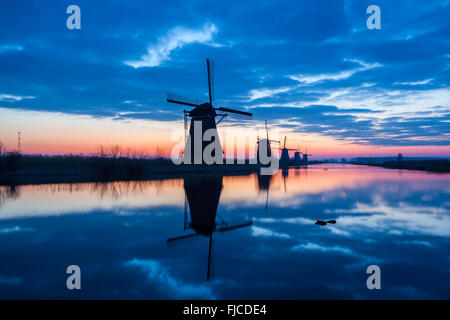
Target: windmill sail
[175,98]
[210,67]
[248,114]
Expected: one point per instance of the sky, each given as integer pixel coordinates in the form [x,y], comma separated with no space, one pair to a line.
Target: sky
[312,69]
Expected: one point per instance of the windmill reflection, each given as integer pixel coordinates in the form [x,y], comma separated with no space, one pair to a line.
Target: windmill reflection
[202,198]
[264,185]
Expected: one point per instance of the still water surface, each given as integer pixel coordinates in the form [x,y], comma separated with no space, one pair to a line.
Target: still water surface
[254,238]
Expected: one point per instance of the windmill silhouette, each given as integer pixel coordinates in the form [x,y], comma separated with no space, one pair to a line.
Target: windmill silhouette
[202,198]
[264,144]
[306,155]
[284,158]
[204,113]
[264,186]
[297,155]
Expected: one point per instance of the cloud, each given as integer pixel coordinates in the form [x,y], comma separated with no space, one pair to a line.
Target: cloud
[12,98]
[175,38]
[362,125]
[316,247]
[341,75]
[177,289]
[263,232]
[255,94]
[264,93]
[415,83]
[7,48]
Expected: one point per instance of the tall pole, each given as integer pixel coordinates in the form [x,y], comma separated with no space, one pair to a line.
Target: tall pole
[267,131]
[18,142]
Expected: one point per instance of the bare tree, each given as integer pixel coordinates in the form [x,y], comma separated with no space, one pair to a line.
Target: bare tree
[115,151]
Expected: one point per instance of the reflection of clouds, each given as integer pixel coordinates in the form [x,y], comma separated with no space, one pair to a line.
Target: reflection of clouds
[263,232]
[317,247]
[297,220]
[410,292]
[301,221]
[396,220]
[177,289]
[9,280]
[338,231]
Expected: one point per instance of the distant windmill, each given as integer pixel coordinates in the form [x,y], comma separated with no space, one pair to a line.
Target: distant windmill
[204,113]
[306,155]
[297,154]
[284,158]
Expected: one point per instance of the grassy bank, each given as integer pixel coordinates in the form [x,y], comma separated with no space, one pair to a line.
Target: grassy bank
[438,165]
[18,168]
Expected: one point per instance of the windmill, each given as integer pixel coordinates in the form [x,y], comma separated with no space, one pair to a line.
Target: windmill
[306,155]
[264,144]
[202,195]
[284,158]
[297,154]
[204,113]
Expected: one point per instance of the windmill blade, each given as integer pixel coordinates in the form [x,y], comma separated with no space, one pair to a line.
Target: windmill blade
[210,69]
[175,98]
[209,255]
[235,226]
[248,114]
[185,236]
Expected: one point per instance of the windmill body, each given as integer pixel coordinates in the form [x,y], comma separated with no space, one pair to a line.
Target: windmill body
[205,115]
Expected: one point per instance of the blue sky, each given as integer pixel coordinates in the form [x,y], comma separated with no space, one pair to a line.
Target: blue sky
[306,66]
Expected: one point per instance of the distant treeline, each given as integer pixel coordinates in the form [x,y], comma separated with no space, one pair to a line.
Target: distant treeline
[438,165]
[105,162]
[434,165]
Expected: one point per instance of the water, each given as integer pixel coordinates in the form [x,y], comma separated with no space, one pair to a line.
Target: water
[117,233]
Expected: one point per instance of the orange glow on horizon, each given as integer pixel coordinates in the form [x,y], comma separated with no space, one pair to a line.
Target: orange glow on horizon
[56,133]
